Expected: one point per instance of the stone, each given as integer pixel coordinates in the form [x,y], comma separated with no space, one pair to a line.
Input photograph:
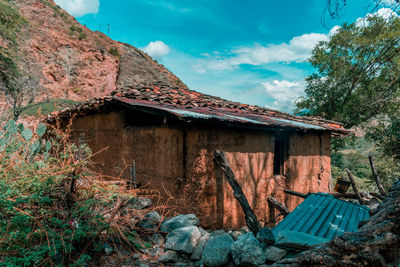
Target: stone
[198,250]
[202,231]
[179,222]
[217,250]
[274,253]
[169,256]
[180,264]
[265,236]
[158,239]
[183,239]
[155,252]
[138,203]
[218,232]
[142,264]
[107,249]
[244,229]
[135,256]
[236,234]
[297,240]
[247,250]
[150,221]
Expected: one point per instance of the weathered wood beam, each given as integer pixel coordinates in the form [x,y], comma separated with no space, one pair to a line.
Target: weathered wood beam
[294,193]
[250,217]
[279,206]
[355,189]
[376,176]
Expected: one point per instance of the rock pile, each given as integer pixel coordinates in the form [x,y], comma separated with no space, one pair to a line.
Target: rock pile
[180,241]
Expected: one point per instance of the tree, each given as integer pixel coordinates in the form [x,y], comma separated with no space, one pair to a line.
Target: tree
[358,77]
[358,73]
[17,87]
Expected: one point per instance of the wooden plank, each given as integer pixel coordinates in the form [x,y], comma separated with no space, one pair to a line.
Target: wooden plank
[376,176]
[294,193]
[279,206]
[355,189]
[250,217]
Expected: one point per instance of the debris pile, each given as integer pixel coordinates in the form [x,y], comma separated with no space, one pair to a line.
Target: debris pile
[376,243]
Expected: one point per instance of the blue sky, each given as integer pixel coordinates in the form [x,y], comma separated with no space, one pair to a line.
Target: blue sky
[252,51]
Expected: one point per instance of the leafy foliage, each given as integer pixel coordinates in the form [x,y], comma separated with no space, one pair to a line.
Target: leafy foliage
[358,73]
[48,106]
[358,80]
[41,224]
[18,87]
[354,156]
[114,51]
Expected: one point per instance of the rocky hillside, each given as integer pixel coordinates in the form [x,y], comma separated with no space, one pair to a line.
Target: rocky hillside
[72,62]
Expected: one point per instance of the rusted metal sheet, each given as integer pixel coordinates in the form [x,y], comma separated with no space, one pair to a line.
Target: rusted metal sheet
[324,216]
[225,115]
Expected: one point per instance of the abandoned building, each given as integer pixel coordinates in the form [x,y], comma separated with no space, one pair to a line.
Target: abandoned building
[171,135]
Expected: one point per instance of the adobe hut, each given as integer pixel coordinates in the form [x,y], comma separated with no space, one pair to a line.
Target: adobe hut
[172,133]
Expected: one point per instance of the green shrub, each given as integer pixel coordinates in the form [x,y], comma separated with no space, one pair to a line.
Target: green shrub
[82,36]
[114,51]
[48,106]
[42,223]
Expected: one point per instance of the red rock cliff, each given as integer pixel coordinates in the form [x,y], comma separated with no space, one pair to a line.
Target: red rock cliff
[70,61]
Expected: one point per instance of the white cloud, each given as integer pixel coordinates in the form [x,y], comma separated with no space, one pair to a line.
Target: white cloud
[385,13]
[157,49]
[79,8]
[283,93]
[388,3]
[297,50]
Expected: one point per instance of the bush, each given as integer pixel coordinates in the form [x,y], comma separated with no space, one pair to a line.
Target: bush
[42,221]
[114,51]
[82,36]
[48,106]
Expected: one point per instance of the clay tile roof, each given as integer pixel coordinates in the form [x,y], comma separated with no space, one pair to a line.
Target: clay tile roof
[177,100]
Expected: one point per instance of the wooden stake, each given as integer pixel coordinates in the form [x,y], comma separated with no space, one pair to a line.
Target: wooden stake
[376,176]
[355,189]
[279,206]
[294,193]
[250,217]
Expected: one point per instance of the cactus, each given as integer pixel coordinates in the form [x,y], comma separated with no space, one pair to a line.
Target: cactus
[47,146]
[35,148]
[27,134]
[41,129]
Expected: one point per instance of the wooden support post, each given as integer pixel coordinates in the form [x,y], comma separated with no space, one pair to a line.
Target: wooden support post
[355,189]
[376,176]
[250,217]
[294,193]
[279,206]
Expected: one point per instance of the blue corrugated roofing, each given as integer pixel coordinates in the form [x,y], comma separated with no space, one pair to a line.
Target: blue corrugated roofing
[324,216]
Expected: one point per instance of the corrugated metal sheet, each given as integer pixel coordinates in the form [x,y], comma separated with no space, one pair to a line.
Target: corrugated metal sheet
[225,115]
[324,216]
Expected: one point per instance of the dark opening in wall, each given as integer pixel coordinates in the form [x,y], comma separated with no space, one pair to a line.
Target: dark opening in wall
[280,153]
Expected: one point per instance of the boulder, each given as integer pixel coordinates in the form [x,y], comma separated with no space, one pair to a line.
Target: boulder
[150,221]
[297,240]
[155,252]
[265,236]
[183,239]
[248,251]
[218,232]
[236,234]
[158,239]
[274,253]
[169,256]
[198,250]
[217,250]
[138,203]
[179,222]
